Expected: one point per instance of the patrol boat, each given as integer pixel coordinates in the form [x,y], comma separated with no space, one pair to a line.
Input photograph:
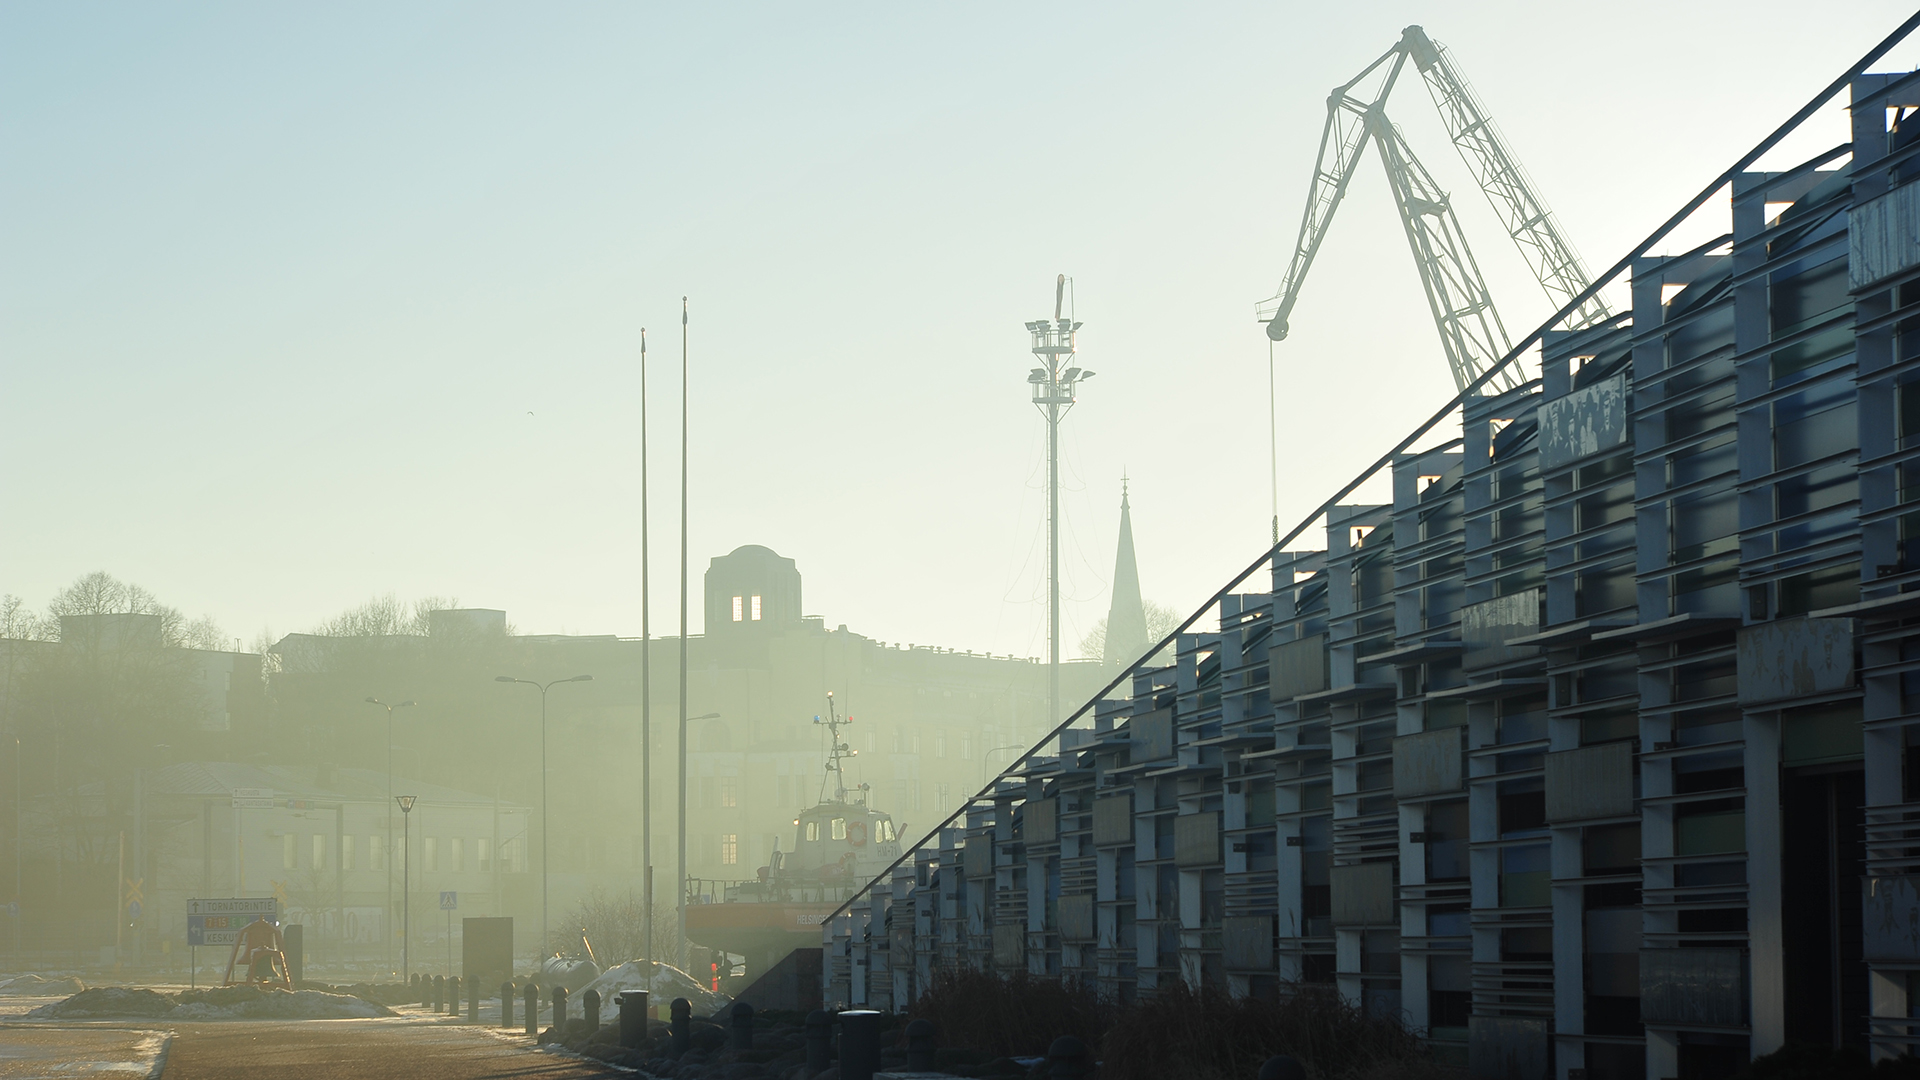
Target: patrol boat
[838,846]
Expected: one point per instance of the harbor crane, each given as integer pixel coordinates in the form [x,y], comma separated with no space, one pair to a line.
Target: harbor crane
[1470,327]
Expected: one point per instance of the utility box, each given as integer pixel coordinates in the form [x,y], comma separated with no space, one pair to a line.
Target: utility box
[486,951]
[296,941]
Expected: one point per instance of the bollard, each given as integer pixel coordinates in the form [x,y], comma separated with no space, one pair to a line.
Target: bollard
[439,993]
[859,1044]
[453,995]
[742,1026]
[819,1041]
[682,1024]
[506,1004]
[633,1019]
[560,1012]
[473,1001]
[590,1008]
[533,1008]
[920,1046]
[1069,1059]
[1282,1067]
[426,991]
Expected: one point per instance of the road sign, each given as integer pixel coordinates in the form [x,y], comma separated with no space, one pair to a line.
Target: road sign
[133,909]
[234,905]
[279,891]
[250,798]
[216,929]
[13,910]
[449,901]
[219,921]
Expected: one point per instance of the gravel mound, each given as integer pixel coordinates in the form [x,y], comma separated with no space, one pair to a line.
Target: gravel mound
[219,1003]
[106,1001]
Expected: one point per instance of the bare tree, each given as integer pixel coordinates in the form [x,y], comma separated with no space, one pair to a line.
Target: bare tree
[1161,620]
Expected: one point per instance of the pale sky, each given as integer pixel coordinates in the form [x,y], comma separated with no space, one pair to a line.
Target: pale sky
[304,303]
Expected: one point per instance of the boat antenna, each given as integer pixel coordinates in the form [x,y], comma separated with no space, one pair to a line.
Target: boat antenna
[836,752]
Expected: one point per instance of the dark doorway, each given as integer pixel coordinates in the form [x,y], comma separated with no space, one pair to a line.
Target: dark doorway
[1823,834]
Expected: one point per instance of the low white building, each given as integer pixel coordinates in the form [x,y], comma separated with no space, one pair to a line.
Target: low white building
[334,848]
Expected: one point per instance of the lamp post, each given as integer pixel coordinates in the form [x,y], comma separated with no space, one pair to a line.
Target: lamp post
[543,688]
[406,894]
[984,764]
[682,887]
[389,708]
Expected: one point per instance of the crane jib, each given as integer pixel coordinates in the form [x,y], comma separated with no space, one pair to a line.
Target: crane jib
[1469,325]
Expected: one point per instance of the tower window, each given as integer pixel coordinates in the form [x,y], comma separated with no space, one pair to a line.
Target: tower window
[736,607]
[756,609]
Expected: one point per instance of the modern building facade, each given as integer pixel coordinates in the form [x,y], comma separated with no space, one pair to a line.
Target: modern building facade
[1591,753]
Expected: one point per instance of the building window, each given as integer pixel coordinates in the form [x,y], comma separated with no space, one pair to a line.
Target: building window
[966,746]
[940,797]
[940,745]
[376,853]
[286,852]
[729,791]
[346,853]
[459,856]
[729,848]
[756,609]
[483,854]
[430,847]
[319,851]
[736,609]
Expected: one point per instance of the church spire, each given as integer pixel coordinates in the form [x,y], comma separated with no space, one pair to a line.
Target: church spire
[1127,617]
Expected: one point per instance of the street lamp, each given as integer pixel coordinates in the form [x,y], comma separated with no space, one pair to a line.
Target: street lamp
[683,830]
[988,753]
[389,708]
[543,788]
[406,894]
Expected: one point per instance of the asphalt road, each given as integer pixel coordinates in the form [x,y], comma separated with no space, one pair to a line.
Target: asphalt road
[412,1048]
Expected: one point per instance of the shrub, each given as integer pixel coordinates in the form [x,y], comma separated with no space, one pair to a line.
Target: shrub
[1187,1034]
[1009,1016]
[1178,1034]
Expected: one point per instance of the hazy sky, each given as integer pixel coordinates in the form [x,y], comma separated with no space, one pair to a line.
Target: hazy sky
[304,303]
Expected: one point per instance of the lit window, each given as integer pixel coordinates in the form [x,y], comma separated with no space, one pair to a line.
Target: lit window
[376,853]
[813,830]
[286,852]
[729,791]
[756,609]
[736,609]
[839,828]
[346,853]
[319,851]
[430,848]
[483,854]
[729,848]
[459,856]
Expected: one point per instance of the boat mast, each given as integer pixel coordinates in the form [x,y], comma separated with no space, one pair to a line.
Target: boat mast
[837,751]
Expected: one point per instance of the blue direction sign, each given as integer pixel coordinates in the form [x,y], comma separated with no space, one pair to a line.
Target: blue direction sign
[449,901]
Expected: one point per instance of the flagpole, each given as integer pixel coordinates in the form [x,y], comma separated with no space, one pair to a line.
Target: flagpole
[646,683]
[680,898]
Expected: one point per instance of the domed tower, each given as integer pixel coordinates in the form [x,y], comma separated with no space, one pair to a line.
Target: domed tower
[751,591]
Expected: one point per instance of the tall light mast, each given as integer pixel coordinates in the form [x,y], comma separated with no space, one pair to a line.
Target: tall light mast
[1054,385]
